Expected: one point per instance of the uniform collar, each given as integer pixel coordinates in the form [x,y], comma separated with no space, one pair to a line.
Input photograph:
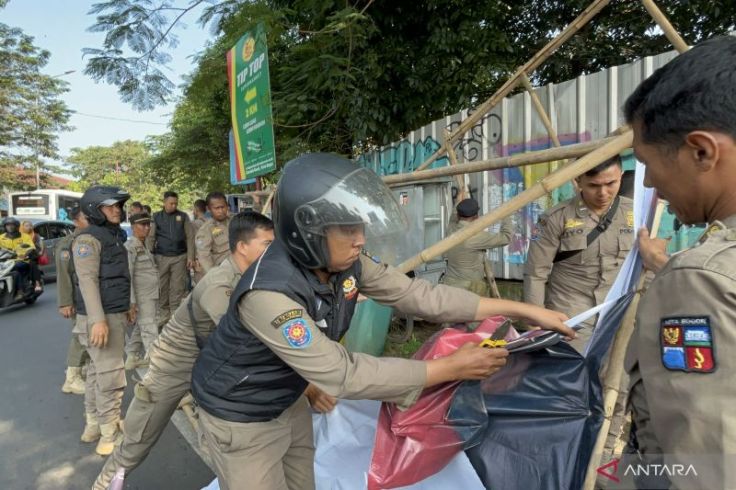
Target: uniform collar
[232,263]
[719,225]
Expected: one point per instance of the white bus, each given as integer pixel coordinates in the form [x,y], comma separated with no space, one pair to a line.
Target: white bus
[52,204]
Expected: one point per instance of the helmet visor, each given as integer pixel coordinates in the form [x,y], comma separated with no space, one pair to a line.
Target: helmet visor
[361,198]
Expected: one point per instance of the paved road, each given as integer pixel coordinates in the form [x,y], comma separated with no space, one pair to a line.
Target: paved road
[40,425]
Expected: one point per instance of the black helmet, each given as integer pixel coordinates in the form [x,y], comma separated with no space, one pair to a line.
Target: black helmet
[319,190]
[101,195]
[11,221]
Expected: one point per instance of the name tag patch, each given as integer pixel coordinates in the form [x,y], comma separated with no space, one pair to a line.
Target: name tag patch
[286,316]
[687,344]
[297,333]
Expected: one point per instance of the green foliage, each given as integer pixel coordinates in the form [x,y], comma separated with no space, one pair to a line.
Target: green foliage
[31,113]
[348,77]
[126,164]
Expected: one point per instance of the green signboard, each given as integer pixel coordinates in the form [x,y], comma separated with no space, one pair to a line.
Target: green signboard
[250,106]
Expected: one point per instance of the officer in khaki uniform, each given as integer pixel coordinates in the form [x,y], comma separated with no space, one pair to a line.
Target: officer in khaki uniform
[465,262]
[681,356]
[76,356]
[571,263]
[102,301]
[211,241]
[144,288]
[292,305]
[174,352]
[172,241]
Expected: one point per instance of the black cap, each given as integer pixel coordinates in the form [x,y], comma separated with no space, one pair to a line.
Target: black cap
[467,208]
[139,218]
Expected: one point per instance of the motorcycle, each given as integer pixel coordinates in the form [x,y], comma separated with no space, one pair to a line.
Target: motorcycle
[15,286]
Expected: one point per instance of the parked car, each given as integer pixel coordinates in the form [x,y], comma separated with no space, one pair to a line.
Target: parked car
[51,232]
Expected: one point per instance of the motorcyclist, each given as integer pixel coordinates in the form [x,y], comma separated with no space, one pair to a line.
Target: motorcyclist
[22,245]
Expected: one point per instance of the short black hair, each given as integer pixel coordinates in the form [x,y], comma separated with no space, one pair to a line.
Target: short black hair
[147,208]
[243,227]
[169,194]
[200,205]
[135,204]
[693,91]
[603,166]
[215,195]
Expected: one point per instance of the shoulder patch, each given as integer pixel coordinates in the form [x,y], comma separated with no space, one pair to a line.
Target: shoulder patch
[687,344]
[297,333]
[65,255]
[286,316]
[82,250]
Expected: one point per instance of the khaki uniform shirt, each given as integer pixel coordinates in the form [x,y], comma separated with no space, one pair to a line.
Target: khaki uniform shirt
[209,300]
[577,283]
[681,362]
[212,243]
[143,271]
[197,224]
[353,375]
[465,261]
[64,282]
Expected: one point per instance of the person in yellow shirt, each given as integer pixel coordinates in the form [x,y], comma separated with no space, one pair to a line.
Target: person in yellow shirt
[20,243]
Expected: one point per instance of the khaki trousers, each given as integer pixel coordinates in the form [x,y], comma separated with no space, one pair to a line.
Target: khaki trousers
[172,273]
[106,373]
[76,354]
[157,396]
[273,455]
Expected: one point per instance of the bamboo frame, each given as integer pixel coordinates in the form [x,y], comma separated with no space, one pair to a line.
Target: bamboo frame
[540,57]
[459,180]
[663,22]
[612,384]
[613,147]
[518,160]
[541,111]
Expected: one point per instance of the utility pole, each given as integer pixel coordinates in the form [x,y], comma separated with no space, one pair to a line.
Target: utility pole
[37,153]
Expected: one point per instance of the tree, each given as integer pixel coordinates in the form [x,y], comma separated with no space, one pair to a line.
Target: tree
[347,77]
[31,113]
[126,164]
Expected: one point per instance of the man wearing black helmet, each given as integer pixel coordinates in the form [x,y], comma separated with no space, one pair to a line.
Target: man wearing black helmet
[12,239]
[102,300]
[292,306]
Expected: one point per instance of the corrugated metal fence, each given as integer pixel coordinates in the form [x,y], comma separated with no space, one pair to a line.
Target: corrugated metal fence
[586,108]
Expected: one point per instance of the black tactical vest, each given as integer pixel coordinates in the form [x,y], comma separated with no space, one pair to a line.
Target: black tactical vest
[171,238]
[237,377]
[114,275]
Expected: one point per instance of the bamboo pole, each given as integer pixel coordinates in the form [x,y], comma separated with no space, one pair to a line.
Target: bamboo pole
[459,180]
[518,160]
[672,35]
[267,206]
[612,148]
[612,384]
[528,67]
[540,110]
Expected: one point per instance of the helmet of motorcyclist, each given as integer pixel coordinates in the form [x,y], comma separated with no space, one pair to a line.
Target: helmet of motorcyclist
[320,190]
[11,227]
[101,195]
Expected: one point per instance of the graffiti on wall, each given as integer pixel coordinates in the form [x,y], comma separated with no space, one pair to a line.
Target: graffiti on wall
[401,157]
[470,146]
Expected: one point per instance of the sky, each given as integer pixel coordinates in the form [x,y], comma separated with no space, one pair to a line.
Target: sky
[60,27]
